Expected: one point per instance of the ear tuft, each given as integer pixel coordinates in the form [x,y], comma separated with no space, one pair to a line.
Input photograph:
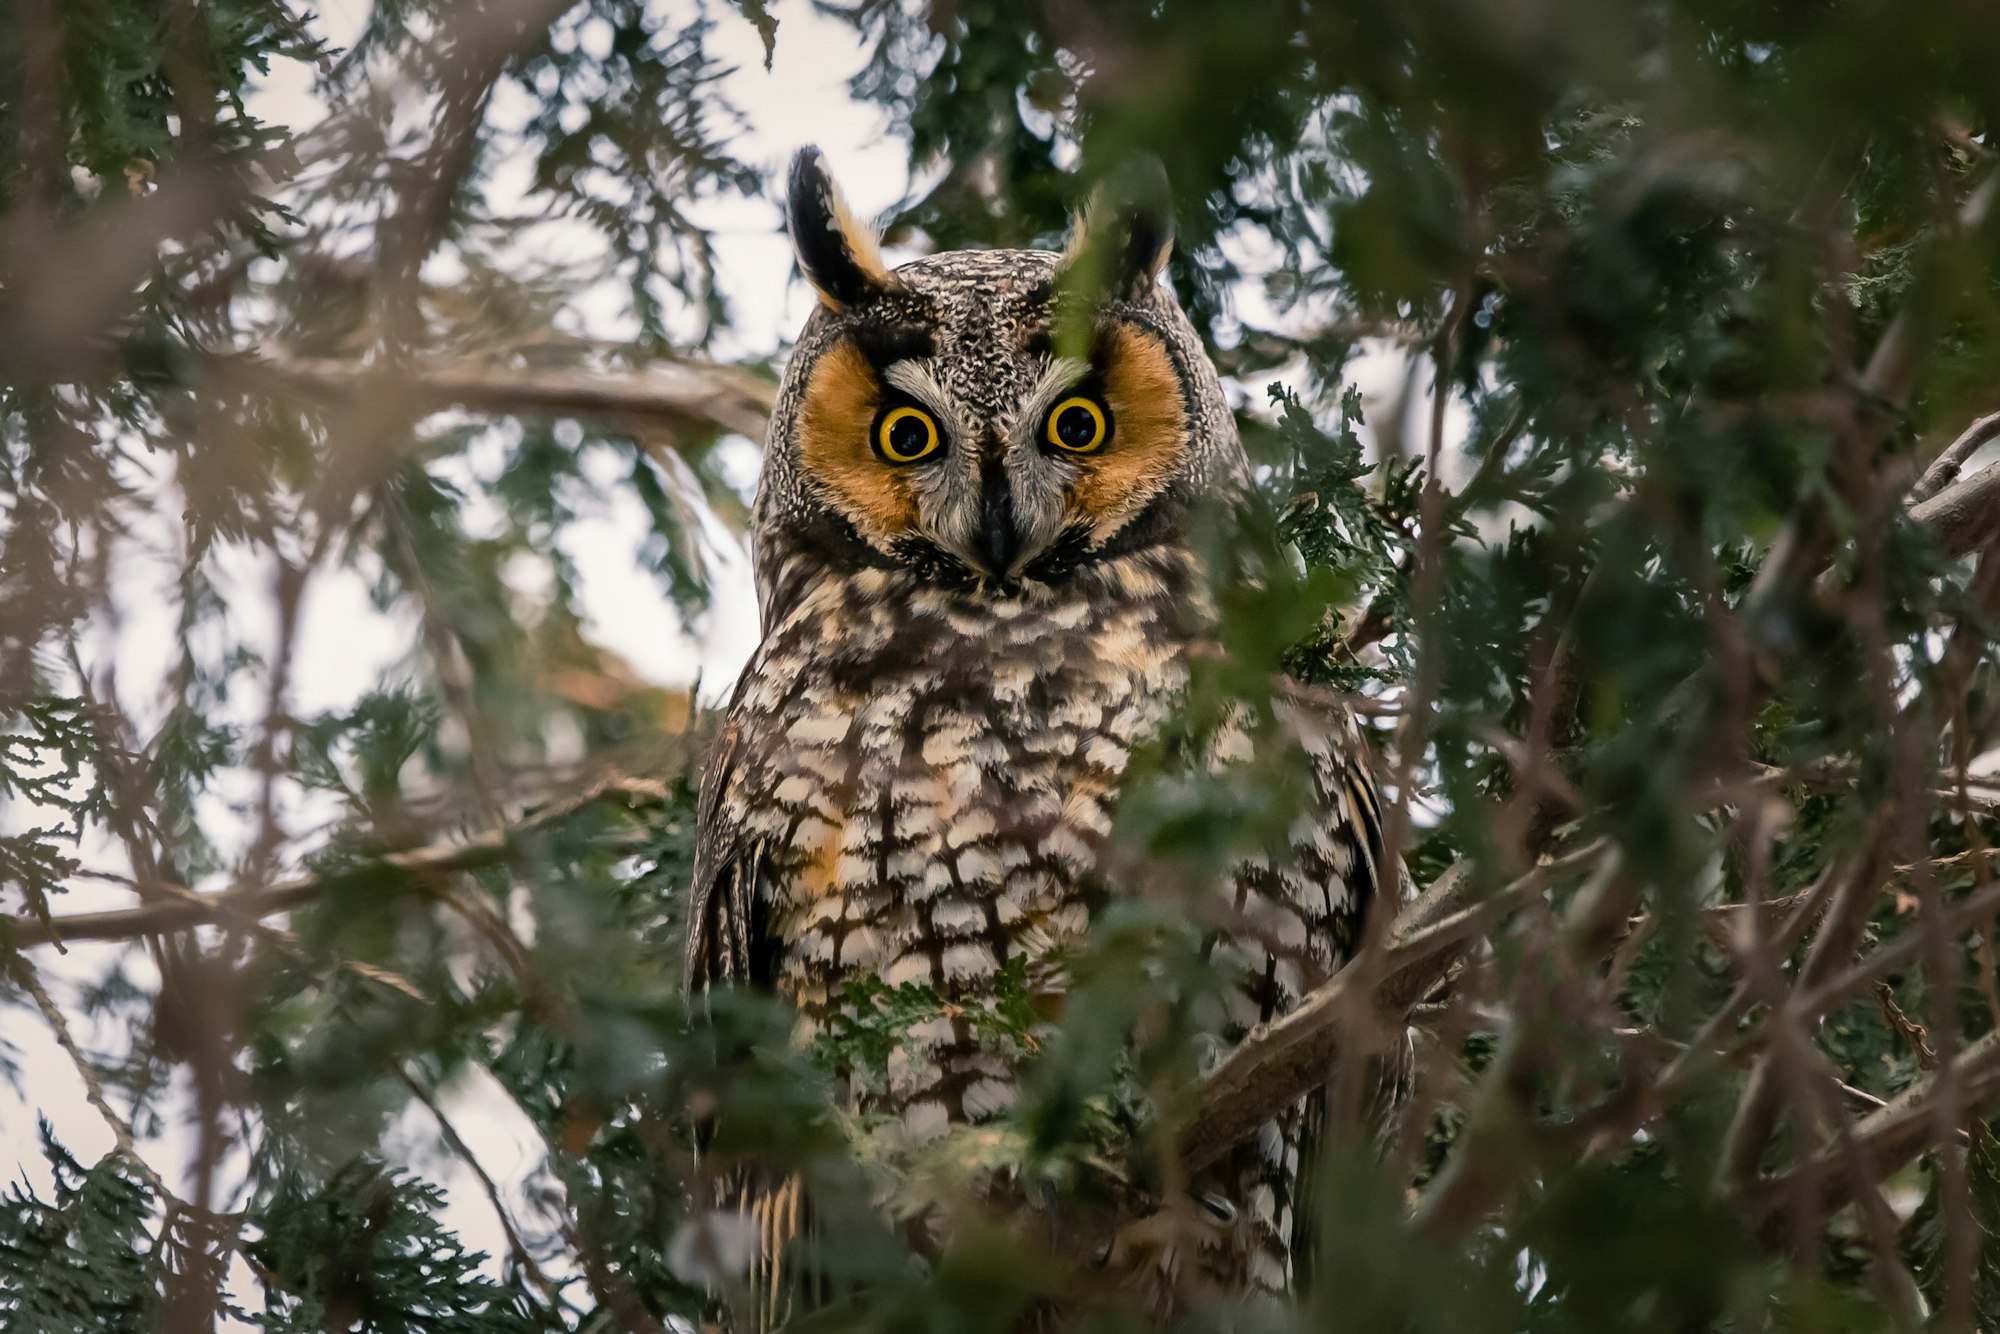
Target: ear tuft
[838,255]
[1122,239]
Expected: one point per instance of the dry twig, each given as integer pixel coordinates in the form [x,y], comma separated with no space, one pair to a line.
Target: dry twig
[184,908]
[1945,467]
[25,977]
[682,397]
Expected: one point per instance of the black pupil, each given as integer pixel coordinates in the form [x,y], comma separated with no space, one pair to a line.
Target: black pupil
[1076,427]
[907,436]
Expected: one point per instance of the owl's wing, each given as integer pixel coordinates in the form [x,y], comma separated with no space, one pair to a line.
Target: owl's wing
[728,944]
[1340,852]
[726,939]
[1298,918]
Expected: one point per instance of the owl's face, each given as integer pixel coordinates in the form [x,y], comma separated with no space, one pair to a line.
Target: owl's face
[929,421]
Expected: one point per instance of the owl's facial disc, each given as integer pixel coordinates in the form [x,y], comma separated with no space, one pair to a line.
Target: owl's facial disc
[1022,490]
[937,425]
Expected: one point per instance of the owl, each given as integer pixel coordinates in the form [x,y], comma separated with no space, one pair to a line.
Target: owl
[979,594]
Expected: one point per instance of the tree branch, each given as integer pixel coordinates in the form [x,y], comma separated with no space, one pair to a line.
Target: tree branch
[1944,468]
[184,908]
[1280,1062]
[24,976]
[681,396]
[1892,1136]
[1806,542]
[1965,515]
[517,1245]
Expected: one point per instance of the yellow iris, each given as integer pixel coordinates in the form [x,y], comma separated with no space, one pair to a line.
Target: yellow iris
[905,435]
[1077,426]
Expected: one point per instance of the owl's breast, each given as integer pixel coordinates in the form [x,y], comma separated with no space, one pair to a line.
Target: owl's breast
[930,778]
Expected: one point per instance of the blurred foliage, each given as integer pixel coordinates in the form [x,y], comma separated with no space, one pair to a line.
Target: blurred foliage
[1675,300]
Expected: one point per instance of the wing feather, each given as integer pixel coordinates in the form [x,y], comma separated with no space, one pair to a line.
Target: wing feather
[724,919]
[727,945]
[1350,801]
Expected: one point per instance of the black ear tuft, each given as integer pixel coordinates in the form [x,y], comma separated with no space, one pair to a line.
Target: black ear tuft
[1147,215]
[837,254]
[1120,244]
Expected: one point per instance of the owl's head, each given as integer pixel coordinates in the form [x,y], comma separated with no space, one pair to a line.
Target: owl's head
[987,418]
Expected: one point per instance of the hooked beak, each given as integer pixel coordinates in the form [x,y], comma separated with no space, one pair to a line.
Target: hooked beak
[999,541]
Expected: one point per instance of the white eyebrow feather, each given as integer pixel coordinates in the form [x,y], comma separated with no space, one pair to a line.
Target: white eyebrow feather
[915,379]
[1058,379]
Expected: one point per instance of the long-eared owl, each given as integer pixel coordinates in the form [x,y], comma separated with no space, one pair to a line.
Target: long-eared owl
[979,594]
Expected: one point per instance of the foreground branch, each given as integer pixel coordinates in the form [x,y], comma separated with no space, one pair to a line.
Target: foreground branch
[1282,1061]
[1892,1136]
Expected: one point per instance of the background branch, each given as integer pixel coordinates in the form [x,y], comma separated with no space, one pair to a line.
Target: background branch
[678,396]
[182,909]
[1966,515]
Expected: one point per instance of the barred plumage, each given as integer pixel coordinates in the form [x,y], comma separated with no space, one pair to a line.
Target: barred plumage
[966,634]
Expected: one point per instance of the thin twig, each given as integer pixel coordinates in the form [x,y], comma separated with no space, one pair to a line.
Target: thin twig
[26,978]
[516,1245]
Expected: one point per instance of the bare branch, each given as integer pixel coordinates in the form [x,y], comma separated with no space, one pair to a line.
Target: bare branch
[184,908]
[1966,515]
[1944,468]
[517,1246]
[1897,1133]
[682,397]
[188,909]
[1282,1061]
[25,977]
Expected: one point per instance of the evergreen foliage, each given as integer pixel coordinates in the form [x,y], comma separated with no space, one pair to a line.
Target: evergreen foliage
[1670,596]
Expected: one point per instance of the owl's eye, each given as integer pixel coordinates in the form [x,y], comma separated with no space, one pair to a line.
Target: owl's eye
[1078,426]
[905,434]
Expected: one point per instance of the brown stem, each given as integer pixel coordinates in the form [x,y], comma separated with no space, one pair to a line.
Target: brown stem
[25,977]
[1945,467]
[684,398]
[1964,516]
[1282,1061]
[1893,1136]
[517,1247]
[180,908]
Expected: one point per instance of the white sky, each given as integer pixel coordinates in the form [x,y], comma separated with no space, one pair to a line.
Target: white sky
[345,645]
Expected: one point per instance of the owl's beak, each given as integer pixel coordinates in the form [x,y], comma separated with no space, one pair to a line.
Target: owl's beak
[999,529]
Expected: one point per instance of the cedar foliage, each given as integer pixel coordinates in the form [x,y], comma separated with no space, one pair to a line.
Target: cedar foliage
[1681,663]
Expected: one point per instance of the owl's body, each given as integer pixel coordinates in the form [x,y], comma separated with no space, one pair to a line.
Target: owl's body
[969,627]
[922,780]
